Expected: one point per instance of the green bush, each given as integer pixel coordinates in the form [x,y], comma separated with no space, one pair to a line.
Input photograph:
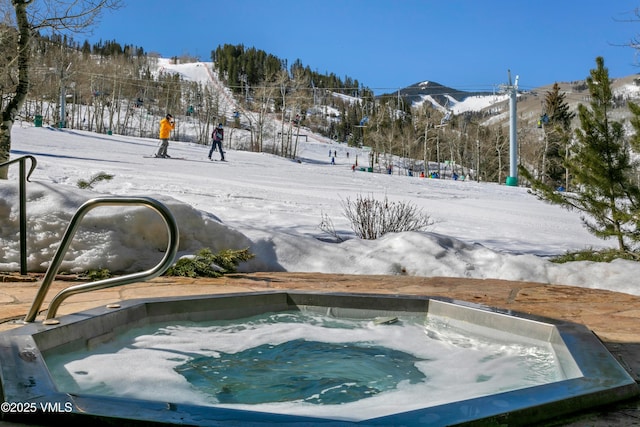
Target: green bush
[102,176]
[95,275]
[207,264]
[604,255]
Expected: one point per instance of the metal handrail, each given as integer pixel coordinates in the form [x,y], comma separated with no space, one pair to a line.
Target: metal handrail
[23,205]
[163,265]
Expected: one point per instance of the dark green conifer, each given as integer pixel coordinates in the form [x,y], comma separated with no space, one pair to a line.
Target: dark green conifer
[602,170]
[557,133]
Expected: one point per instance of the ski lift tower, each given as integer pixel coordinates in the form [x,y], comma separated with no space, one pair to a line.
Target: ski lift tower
[512,90]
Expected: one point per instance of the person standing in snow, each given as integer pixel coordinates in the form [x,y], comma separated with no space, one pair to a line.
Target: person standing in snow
[166,126]
[217,136]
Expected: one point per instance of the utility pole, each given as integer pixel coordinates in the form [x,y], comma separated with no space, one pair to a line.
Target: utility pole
[512,90]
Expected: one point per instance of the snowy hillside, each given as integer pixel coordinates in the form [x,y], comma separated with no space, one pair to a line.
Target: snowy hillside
[203,73]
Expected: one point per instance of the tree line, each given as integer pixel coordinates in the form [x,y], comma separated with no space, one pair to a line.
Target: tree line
[115,80]
[107,84]
[346,111]
[113,87]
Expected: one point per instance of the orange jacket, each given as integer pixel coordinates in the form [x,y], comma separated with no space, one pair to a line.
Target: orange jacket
[165,128]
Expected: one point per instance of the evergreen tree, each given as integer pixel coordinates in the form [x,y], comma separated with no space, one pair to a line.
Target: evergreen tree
[557,130]
[601,169]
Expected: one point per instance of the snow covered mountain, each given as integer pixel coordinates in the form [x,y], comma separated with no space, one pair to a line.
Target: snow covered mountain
[495,103]
[448,99]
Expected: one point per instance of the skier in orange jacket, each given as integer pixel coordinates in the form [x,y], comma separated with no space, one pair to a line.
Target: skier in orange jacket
[166,126]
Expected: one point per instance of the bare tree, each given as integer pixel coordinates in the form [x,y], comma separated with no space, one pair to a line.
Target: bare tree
[264,98]
[32,16]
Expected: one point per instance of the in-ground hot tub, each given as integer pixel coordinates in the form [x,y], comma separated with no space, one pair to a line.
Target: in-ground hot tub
[359,359]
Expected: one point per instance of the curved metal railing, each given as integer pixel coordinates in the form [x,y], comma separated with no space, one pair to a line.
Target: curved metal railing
[24,177]
[163,265]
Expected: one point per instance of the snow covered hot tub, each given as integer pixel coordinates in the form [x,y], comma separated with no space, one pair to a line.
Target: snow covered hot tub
[297,357]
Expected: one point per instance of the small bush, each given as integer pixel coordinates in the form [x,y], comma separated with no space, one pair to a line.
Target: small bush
[326,225]
[95,275]
[207,264]
[102,176]
[372,218]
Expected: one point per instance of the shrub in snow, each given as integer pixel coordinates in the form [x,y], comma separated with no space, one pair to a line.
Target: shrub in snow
[371,218]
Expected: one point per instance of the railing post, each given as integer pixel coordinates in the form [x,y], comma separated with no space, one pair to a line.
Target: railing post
[23,178]
[23,219]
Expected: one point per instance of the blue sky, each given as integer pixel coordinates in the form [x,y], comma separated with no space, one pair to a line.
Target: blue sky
[391,44]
